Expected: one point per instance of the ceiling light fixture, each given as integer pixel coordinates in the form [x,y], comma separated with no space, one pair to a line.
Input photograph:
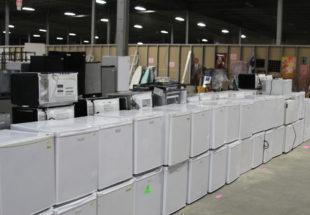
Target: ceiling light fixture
[36,35]
[140,8]
[180,19]
[139,43]
[97,37]
[138,26]
[80,16]
[201,24]
[86,41]
[5,32]
[204,40]
[225,31]
[101,2]
[28,9]
[72,34]
[164,32]
[42,30]
[148,11]
[70,14]
[11,26]
[104,20]
[243,36]
[59,38]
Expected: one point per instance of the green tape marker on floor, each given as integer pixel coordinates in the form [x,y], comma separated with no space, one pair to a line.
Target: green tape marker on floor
[147,189]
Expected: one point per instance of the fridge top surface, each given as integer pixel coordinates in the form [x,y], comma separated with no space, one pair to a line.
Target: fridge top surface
[177,111]
[65,127]
[134,114]
[193,108]
[11,138]
[104,122]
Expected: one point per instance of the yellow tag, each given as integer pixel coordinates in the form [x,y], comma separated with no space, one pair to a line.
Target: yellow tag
[130,126]
[94,134]
[91,204]
[129,188]
[48,143]
[48,147]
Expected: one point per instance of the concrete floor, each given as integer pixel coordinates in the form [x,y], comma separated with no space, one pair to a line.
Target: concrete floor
[280,187]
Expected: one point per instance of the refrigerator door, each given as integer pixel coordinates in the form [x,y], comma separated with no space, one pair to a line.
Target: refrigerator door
[85,206]
[289,138]
[218,164]
[175,188]
[246,155]
[258,149]
[27,167]
[198,177]
[148,193]
[233,162]
[117,200]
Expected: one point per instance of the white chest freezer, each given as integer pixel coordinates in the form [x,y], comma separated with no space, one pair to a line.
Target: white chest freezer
[177,135]
[300,96]
[233,161]
[291,111]
[307,120]
[246,155]
[218,165]
[26,169]
[258,149]
[148,138]
[148,193]
[200,127]
[76,156]
[84,206]
[174,188]
[290,136]
[115,149]
[117,200]
[299,128]
[277,145]
[198,177]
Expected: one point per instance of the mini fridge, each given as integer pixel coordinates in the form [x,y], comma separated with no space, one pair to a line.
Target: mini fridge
[84,206]
[27,172]
[246,118]
[200,127]
[278,111]
[233,161]
[198,177]
[177,135]
[174,188]
[277,145]
[218,168]
[233,122]
[291,113]
[148,138]
[115,149]
[117,200]
[290,136]
[246,155]
[148,193]
[258,149]
[76,154]
[259,116]
[307,120]
[300,97]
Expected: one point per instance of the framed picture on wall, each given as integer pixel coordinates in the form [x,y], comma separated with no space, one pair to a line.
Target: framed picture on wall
[220,61]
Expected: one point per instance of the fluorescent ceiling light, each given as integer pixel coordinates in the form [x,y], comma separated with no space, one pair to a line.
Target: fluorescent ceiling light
[59,38]
[138,26]
[69,14]
[5,32]
[80,16]
[28,9]
[72,34]
[139,43]
[201,24]
[140,8]
[179,19]
[101,2]
[225,31]
[11,26]
[204,40]
[164,32]
[148,11]
[36,35]
[96,37]
[243,36]
[86,41]
[42,30]
[104,20]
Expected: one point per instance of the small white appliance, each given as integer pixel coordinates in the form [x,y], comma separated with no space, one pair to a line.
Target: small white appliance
[289,138]
[307,120]
[218,165]
[233,122]
[299,128]
[287,88]
[58,113]
[115,149]
[84,206]
[259,116]
[246,119]
[27,169]
[233,161]
[300,96]
[177,135]
[174,188]
[75,177]
[148,138]
[277,145]
[198,177]
[148,193]
[277,86]
[291,113]
[105,105]
[246,155]
[117,200]
[258,149]
[278,111]
[143,100]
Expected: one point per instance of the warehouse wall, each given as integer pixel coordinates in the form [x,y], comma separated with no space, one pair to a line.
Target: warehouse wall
[170,59]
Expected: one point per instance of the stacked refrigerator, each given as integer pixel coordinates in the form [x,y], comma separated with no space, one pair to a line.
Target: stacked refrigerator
[233,161]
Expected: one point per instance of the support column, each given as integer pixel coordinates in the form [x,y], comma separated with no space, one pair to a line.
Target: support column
[7,22]
[122,27]
[172,34]
[187,28]
[279,22]
[93,15]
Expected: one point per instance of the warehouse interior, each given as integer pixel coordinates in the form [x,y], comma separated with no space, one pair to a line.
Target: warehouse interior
[139,107]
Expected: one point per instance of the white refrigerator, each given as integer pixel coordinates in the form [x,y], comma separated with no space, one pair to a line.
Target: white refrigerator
[174,188]
[290,136]
[300,97]
[84,206]
[198,177]
[233,121]
[307,120]
[299,126]
[148,193]
[148,138]
[76,156]
[246,118]
[115,149]
[27,172]
[117,200]
[258,149]
[291,113]
[246,155]
[177,135]
[277,145]
[233,161]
